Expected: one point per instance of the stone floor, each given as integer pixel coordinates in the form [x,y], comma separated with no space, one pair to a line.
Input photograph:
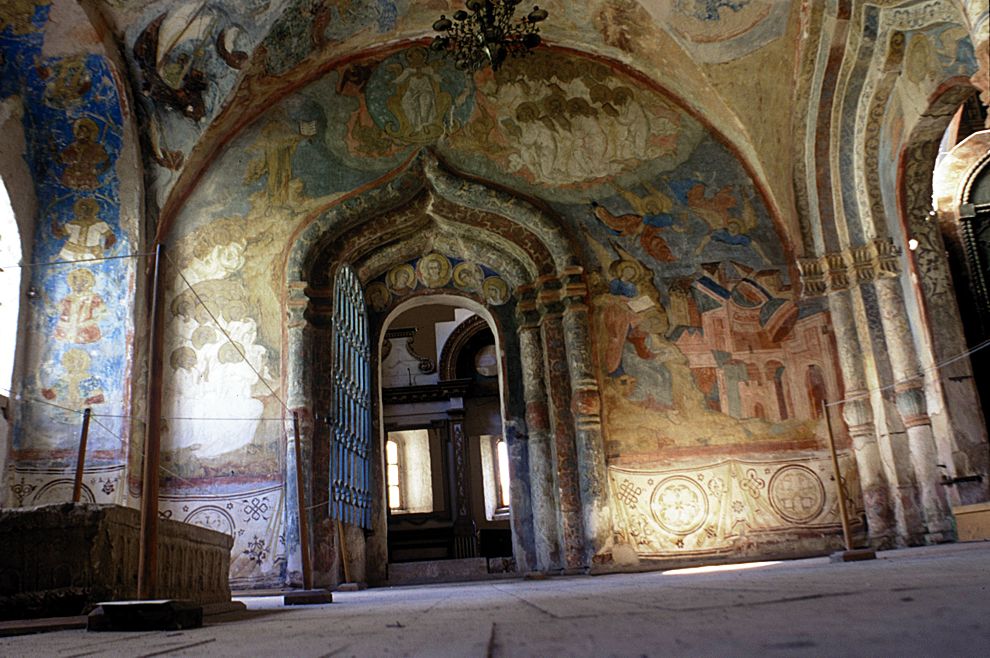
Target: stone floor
[916,602]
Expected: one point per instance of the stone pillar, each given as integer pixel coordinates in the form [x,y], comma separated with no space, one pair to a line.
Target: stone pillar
[912,407]
[586,405]
[543,494]
[858,414]
[562,424]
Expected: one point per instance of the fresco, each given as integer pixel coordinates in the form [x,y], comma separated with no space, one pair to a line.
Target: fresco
[82,275]
[435,271]
[700,341]
[720,30]
[732,506]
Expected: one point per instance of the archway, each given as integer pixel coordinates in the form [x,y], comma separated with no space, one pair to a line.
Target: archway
[431,235]
[442,407]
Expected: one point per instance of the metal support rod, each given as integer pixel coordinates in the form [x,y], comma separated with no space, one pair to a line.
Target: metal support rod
[148,544]
[843,513]
[81,459]
[307,566]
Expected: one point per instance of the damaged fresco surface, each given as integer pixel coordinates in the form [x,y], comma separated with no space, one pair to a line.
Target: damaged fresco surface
[702,344]
[80,273]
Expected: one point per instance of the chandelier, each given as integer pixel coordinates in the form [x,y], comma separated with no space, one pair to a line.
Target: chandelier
[486,34]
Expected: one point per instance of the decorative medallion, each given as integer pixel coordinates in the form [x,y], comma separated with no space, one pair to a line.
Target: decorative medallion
[212,518]
[679,505]
[797,494]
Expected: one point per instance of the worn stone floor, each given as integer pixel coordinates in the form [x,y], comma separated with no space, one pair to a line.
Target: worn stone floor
[931,601]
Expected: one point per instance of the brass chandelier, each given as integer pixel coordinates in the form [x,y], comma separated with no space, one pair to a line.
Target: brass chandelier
[485,34]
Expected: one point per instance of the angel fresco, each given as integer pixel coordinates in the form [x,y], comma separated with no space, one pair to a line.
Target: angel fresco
[652,215]
[724,227]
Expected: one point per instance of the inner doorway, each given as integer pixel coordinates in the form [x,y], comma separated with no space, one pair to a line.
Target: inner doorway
[446,459]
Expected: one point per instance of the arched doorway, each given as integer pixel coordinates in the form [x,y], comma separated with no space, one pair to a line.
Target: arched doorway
[447,471]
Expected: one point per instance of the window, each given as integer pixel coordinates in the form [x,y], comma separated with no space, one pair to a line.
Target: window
[10,286]
[502,471]
[392,475]
[409,472]
[495,474]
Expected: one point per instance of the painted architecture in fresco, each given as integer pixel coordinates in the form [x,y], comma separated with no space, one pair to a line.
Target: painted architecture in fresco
[682,274]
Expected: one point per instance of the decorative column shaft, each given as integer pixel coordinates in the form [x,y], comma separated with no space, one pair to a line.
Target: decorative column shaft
[562,424]
[586,407]
[858,414]
[912,407]
[546,527]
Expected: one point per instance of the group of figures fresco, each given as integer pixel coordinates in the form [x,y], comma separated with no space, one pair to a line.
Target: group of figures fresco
[73,129]
[434,272]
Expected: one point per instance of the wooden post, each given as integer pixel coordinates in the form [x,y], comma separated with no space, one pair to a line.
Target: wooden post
[307,566]
[148,545]
[81,459]
[344,558]
[843,513]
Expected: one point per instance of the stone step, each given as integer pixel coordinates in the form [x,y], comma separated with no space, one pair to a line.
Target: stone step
[442,571]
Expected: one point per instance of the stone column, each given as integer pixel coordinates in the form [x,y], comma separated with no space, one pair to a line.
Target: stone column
[912,407]
[858,414]
[546,527]
[558,383]
[586,408]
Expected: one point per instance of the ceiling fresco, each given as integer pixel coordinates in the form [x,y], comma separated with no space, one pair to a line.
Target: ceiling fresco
[201,66]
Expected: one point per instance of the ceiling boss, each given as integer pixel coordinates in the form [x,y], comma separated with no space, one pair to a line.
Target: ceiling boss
[486,34]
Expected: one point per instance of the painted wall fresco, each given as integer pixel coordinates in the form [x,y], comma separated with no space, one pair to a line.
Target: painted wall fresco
[701,341]
[720,30]
[81,271]
[733,506]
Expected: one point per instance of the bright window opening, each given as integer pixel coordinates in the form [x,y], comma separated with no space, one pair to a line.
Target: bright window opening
[392,465]
[409,472]
[495,476]
[502,450]
[10,286]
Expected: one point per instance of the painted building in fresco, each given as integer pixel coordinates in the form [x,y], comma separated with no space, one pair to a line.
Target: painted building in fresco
[677,236]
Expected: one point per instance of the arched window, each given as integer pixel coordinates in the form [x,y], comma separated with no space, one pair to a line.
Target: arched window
[350,491]
[10,287]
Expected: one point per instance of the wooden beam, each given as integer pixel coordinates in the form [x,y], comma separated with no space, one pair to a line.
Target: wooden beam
[148,546]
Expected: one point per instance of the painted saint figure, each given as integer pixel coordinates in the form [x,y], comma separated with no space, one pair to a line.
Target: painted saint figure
[85,159]
[87,235]
[433,270]
[80,310]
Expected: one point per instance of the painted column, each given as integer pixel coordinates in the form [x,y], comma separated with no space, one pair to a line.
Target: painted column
[912,407]
[78,339]
[586,405]
[546,528]
[562,424]
[858,414]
